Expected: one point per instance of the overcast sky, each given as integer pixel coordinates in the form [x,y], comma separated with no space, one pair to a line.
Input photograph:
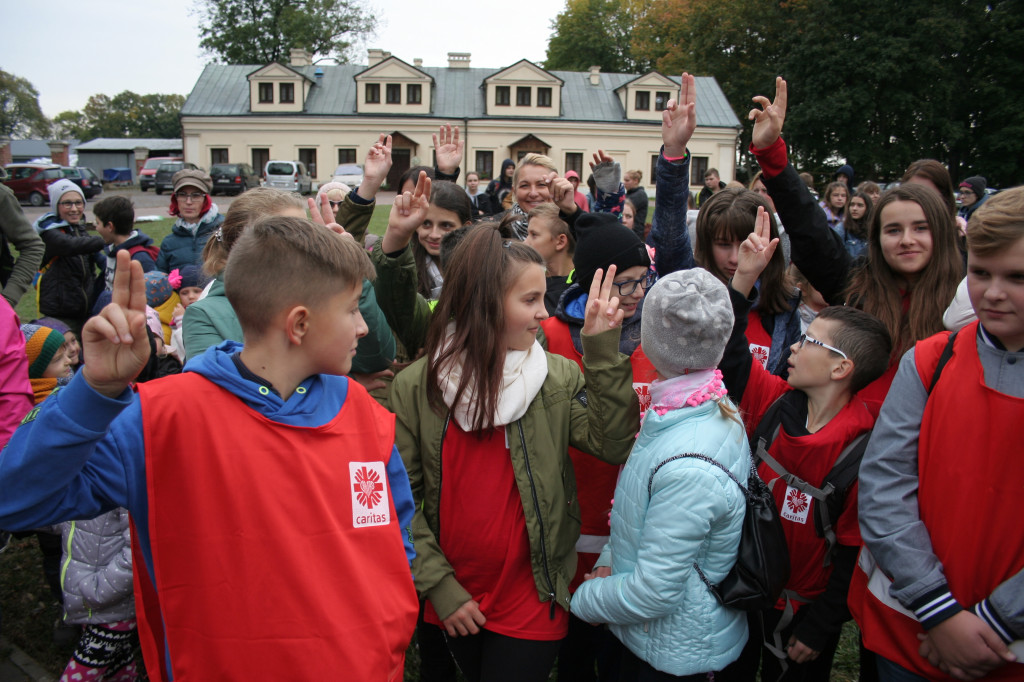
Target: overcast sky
[71,49]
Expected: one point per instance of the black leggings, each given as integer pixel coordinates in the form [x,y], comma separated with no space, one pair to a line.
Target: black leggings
[490,657]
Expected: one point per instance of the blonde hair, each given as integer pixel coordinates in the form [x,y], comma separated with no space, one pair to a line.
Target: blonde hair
[548,212]
[998,224]
[533,159]
[634,175]
[249,207]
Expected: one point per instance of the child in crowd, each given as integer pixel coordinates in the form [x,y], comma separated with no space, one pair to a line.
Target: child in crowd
[856,220]
[71,344]
[189,284]
[549,235]
[96,577]
[834,204]
[676,519]
[161,297]
[48,360]
[485,421]
[801,428]
[115,222]
[249,565]
[940,483]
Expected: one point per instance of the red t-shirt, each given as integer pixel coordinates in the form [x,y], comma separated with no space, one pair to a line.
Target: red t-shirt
[483,537]
[759,339]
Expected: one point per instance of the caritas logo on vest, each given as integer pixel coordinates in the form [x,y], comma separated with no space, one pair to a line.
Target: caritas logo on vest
[369,487]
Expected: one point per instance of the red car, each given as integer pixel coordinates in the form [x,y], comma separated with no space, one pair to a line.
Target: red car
[147,176]
[29,181]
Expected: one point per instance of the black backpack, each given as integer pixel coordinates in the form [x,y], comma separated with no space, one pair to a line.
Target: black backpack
[762,567]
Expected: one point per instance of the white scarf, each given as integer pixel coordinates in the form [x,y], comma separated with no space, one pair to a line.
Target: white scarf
[522,376]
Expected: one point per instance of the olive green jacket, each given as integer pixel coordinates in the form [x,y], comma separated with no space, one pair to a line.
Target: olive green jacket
[599,415]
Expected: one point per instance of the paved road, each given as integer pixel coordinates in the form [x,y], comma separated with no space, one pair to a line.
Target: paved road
[149,203]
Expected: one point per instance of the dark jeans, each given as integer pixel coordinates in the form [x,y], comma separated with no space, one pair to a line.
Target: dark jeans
[894,672]
[762,625]
[585,647]
[490,657]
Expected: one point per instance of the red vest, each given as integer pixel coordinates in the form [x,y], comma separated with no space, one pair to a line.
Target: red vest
[276,549]
[595,480]
[970,473]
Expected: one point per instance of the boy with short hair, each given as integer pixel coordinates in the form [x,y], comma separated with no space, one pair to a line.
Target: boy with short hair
[550,236]
[941,482]
[267,495]
[115,222]
[804,430]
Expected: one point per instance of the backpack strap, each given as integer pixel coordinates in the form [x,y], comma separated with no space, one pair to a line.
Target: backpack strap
[947,353]
[768,428]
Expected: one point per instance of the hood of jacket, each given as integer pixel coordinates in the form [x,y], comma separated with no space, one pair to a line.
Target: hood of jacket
[314,403]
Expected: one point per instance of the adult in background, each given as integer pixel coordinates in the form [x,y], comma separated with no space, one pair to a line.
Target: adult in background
[500,188]
[16,273]
[197,218]
[972,195]
[638,197]
[71,258]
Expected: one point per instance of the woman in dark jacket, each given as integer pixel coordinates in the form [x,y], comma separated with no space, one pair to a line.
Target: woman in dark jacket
[72,257]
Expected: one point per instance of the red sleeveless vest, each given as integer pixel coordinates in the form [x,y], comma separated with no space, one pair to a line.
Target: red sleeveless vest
[276,549]
[595,480]
[970,474]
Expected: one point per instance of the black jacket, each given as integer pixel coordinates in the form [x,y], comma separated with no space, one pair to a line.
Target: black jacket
[69,268]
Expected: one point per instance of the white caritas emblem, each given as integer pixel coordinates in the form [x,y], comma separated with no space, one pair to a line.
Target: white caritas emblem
[369,485]
[796,505]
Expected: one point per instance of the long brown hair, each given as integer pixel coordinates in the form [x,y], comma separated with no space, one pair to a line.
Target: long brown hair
[482,269]
[932,170]
[730,215]
[876,288]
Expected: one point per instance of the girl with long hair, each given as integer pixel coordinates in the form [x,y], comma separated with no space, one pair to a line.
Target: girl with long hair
[854,229]
[912,266]
[833,202]
[484,425]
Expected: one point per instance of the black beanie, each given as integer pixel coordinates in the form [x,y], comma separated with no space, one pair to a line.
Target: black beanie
[602,241]
[977,185]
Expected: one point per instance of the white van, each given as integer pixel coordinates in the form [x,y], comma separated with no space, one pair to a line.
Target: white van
[288,175]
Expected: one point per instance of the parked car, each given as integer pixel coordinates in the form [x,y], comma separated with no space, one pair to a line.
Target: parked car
[233,178]
[166,171]
[85,178]
[288,175]
[29,181]
[349,173]
[147,176]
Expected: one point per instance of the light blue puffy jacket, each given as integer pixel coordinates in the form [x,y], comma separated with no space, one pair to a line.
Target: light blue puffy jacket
[688,511]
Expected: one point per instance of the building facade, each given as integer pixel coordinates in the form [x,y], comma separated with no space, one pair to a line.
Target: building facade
[328,115]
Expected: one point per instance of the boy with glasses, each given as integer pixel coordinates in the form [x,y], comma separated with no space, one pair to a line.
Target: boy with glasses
[805,429]
[197,219]
[68,272]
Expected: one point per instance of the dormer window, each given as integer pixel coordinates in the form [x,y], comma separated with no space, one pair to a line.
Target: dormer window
[413,93]
[661,100]
[502,96]
[286,93]
[523,96]
[643,100]
[382,86]
[373,93]
[394,93]
[266,93]
[543,97]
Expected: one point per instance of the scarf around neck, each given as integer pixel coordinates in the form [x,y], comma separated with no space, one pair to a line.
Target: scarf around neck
[523,375]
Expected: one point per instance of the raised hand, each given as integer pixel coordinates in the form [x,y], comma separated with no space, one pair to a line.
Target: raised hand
[755,253]
[603,312]
[324,215]
[448,149]
[115,343]
[769,118]
[607,172]
[562,193]
[679,119]
[407,213]
[375,167]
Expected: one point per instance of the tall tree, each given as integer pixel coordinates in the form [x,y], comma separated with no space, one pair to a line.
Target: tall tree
[20,115]
[594,33]
[264,31]
[127,114]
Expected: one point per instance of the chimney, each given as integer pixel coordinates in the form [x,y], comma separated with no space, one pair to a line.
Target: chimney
[375,56]
[458,60]
[417,62]
[595,75]
[299,57]
[58,152]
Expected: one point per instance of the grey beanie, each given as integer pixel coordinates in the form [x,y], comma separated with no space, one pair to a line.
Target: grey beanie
[59,189]
[686,323]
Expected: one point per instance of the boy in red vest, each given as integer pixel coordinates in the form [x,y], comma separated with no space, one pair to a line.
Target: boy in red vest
[804,427]
[270,505]
[942,591]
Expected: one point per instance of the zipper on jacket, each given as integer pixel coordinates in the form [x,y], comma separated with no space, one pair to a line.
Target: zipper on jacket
[540,521]
[440,475]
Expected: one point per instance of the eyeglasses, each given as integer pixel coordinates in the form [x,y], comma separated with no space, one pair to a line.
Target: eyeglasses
[627,288]
[185,196]
[804,337]
[72,204]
